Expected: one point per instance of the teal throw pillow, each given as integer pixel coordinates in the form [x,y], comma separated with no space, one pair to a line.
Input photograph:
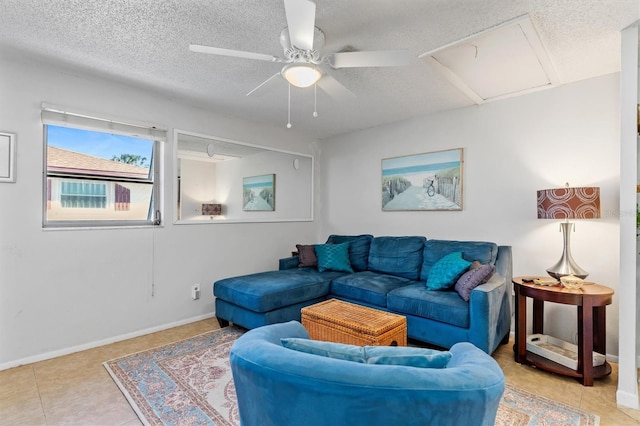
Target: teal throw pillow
[333,257]
[446,271]
[387,355]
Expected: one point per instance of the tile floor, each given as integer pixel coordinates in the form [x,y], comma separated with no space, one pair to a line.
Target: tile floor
[77,390]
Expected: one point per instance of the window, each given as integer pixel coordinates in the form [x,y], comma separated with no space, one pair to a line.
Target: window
[83,194]
[99,172]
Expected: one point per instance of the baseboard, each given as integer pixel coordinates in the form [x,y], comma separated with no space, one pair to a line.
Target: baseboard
[91,345]
[626,399]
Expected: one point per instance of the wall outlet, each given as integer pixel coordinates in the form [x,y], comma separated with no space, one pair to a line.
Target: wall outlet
[195,291]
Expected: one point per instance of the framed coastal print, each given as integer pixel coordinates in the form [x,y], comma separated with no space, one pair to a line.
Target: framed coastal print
[259,193]
[429,181]
[7,157]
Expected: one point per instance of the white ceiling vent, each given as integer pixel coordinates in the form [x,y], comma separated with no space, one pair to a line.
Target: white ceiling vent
[503,61]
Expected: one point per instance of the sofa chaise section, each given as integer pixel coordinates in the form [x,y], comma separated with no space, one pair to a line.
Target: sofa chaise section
[263,298]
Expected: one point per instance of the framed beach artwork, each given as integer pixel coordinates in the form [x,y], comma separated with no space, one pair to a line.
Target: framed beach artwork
[429,181]
[259,193]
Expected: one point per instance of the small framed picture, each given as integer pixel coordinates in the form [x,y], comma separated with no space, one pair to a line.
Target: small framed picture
[259,193]
[7,157]
[429,181]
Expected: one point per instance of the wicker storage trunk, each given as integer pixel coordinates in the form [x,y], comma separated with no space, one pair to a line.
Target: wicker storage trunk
[342,322]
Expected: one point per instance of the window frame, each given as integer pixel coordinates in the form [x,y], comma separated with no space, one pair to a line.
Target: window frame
[57,116]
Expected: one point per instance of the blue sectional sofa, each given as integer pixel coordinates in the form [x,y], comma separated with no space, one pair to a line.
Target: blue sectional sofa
[278,385]
[395,274]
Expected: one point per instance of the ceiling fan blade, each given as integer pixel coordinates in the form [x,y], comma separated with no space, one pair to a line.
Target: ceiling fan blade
[301,20]
[335,89]
[372,58]
[233,53]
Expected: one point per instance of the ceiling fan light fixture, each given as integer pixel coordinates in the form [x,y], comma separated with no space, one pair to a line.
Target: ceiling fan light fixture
[301,74]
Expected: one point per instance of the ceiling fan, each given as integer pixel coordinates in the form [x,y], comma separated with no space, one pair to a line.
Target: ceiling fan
[304,65]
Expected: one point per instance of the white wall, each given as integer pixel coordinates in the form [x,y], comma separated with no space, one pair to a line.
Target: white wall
[512,148]
[61,290]
[293,187]
[197,187]
[66,289]
[627,394]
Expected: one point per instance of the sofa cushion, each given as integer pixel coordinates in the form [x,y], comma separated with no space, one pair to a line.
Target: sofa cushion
[333,257]
[265,291]
[472,279]
[358,248]
[306,256]
[399,256]
[446,271]
[434,250]
[368,287]
[386,355]
[444,306]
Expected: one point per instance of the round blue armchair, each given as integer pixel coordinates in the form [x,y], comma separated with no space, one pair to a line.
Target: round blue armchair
[280,386]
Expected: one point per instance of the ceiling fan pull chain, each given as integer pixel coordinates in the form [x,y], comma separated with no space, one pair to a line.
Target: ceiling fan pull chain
[315,100]
[289,109]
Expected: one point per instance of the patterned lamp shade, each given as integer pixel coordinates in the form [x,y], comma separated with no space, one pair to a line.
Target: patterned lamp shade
[569,203]
[211,209]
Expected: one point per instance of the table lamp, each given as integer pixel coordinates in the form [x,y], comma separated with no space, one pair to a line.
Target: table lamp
[568,203]
[211,209]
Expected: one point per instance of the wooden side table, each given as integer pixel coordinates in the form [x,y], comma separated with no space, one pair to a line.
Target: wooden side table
[591,301]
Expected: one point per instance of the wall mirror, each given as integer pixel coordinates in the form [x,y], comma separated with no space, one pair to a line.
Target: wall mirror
[223,181]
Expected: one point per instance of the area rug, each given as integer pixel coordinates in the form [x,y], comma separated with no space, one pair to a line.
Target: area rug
[189,383]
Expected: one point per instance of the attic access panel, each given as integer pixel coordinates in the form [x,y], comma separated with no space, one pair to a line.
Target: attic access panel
[498,63]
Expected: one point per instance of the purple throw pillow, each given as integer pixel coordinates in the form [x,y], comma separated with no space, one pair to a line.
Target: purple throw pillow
[472,279]
[306,256]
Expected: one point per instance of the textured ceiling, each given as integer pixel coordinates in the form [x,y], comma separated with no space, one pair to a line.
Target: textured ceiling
[145,42]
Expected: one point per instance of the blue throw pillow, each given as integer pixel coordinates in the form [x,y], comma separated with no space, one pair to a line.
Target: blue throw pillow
[327,349]
[333,257]
[412,357]
[387,355]
[472,279]
[446,271]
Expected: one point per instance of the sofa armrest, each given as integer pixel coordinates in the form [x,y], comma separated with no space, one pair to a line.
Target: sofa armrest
[490,306]
[288,263]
